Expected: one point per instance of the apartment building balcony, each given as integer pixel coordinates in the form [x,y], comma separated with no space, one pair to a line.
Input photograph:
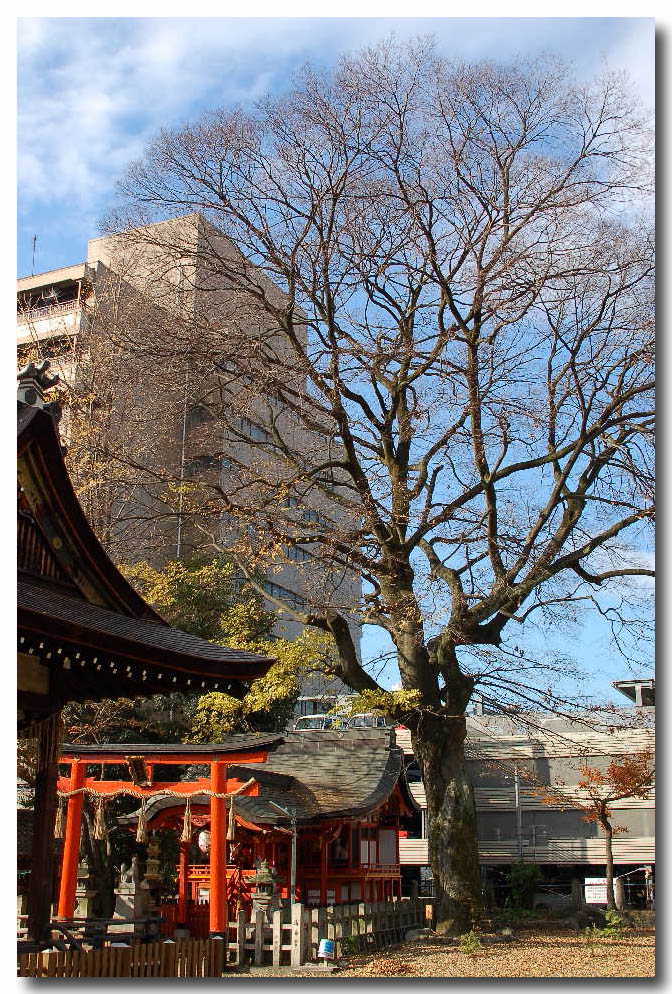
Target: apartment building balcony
[51,304]
[63,319]
[413,852]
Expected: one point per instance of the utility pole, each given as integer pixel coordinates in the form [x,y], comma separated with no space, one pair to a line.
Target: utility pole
[292,871]
[519,812]
[178,544]
[33,265]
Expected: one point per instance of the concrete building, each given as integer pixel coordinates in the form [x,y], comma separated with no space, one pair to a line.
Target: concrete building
[508,762]
[102,323]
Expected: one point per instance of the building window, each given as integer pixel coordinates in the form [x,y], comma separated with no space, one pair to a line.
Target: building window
[200,464]
[283,594]
[314,516]
[253,431]
[540,826]
[198,414]
[298,554]
[496,826]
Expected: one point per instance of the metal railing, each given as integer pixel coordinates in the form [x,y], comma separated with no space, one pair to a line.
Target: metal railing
[50,311]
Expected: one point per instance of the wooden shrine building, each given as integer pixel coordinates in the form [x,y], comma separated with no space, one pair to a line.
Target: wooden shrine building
[84,633]
[342,794]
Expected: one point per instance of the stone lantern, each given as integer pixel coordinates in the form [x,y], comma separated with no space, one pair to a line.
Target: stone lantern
[153,879]
[153,863]
[85,892]
[264,881]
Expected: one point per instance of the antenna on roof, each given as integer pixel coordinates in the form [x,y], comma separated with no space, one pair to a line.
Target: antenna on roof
[34,244]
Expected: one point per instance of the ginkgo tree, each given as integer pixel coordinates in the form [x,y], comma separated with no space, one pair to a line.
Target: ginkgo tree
[207,598]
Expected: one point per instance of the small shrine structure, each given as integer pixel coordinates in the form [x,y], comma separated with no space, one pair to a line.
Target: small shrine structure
[84,633]
[311,815]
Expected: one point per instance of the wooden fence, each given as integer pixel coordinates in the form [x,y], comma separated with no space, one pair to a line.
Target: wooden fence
[294,937]
[291,937]
[185,958]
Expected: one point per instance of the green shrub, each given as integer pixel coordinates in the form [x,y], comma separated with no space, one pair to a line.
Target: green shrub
[470,944]
[612,928]
[614,923]
[523,879]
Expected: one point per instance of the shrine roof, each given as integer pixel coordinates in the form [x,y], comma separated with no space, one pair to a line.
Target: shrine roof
[147,640]
[346,773]
[76,610]
[233,743]
[316,774]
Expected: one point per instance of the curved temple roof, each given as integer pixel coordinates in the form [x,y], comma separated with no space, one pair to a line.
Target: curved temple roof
[315,774]
[77,612]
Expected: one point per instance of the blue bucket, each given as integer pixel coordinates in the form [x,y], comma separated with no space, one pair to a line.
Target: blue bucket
[326,949]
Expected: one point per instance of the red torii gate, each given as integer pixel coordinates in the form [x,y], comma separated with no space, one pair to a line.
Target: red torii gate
[218,785]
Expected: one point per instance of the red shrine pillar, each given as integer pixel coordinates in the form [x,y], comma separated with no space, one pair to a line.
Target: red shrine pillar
[73,829]
[219,916]
[182,885]
[324,852]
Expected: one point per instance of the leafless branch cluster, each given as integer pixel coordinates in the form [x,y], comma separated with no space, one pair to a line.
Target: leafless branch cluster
[430,322]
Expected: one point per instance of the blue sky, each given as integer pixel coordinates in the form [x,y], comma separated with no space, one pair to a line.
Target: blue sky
[92,92]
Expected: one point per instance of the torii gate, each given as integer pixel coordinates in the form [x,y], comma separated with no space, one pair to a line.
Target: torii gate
[141,766]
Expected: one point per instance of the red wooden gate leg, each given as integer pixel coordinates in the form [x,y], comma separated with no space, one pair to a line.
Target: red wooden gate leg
[183,884]
[218,898]
[73,829]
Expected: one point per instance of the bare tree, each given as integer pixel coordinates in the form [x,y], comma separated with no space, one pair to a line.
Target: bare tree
[432,313]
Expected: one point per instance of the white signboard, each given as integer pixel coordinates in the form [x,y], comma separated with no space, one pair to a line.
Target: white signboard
[595,890]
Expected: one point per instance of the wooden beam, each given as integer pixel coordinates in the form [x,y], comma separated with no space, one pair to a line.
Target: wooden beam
[324,853]
[42,849]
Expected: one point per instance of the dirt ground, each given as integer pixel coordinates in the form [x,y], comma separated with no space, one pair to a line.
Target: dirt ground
[561,953]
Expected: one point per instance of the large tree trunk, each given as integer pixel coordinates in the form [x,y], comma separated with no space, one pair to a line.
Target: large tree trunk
[438,744]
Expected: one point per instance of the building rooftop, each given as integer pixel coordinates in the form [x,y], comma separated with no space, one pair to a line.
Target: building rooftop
[314,774]
[76,610]
[641,692]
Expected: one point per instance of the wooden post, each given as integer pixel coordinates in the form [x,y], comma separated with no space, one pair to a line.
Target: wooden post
[324,851]
[259,921]
[298,951]
[397,856]
[277,937]
[240,936]
[182,885]
[73,828]
[322,918]
[40,882]
[293,857]
[218,889]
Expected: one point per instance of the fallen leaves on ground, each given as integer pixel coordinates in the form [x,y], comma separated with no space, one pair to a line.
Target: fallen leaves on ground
[533,954]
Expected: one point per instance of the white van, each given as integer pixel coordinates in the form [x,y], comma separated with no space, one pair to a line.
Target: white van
[316,721]
[368,721]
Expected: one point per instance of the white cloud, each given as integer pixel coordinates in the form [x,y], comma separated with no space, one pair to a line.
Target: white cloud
[93,91]
[92,97]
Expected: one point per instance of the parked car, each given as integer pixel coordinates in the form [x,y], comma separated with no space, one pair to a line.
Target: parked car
[368,721]
[318,721]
